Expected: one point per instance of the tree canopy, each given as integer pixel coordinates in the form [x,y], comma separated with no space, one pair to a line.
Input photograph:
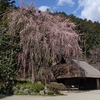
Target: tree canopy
[44,38]
[6,4]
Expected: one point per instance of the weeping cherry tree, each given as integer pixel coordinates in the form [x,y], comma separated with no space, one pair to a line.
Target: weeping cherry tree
[44,39]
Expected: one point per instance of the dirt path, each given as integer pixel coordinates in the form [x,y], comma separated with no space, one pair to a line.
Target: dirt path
[89,95]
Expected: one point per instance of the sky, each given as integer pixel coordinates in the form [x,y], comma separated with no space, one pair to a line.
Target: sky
[89,9]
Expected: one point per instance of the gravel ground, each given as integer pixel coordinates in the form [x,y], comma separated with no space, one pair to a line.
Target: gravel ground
[86,95]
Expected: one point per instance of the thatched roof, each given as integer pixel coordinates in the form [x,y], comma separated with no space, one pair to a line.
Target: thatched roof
[90,71]
[75,68]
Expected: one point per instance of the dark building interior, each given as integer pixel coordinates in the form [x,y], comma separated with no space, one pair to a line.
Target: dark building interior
[80,83]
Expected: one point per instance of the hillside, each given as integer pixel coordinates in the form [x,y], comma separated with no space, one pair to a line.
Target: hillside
[89,33]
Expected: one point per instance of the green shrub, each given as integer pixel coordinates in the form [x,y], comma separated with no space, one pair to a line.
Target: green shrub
[50,92]
[26,85]
[38,86]
[28,88]
[24,88]
[6,88]
[56,87]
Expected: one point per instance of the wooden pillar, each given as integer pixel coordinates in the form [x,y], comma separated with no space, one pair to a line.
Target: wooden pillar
[98,84]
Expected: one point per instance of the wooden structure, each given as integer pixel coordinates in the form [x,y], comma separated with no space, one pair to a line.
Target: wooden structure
[77,73]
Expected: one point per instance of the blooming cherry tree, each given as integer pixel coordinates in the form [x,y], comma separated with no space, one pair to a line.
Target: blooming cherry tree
[44,38]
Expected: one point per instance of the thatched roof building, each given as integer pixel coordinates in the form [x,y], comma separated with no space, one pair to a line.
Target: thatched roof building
[89,71]
[78,73]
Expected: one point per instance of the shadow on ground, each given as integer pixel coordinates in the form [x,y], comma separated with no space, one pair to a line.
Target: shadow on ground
[4,96]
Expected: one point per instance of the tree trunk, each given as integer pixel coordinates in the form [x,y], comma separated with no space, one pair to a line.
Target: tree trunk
[33,76]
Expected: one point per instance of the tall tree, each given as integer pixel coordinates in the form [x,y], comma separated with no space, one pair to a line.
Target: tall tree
[8,49]
[6,4]
[44,38]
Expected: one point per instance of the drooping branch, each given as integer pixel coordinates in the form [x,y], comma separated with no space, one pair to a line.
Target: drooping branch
[43,36]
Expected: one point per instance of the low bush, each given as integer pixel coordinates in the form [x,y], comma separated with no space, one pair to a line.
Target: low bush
[25,88]
[38,86]
[6,88]
[56,87]
[28,88]
[50,92]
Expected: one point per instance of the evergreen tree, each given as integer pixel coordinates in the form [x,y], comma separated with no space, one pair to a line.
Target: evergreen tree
[5,5]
